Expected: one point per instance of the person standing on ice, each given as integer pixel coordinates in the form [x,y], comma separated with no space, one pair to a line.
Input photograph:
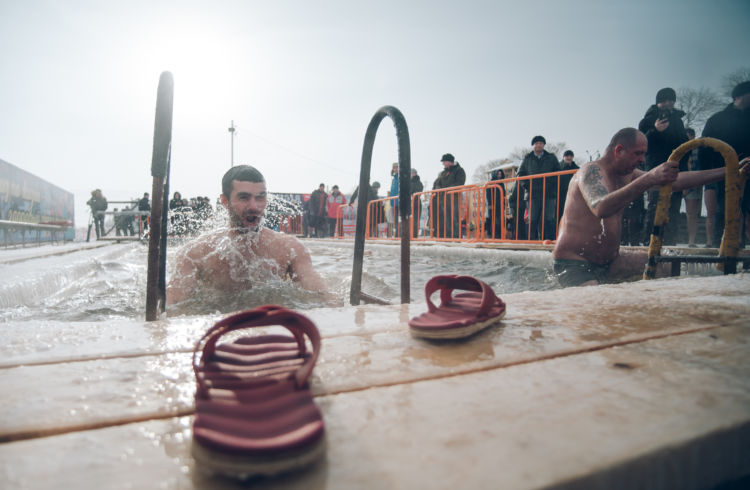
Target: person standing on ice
[393,205]
[416,211]
[245,253]
[317,207]
[567,164]
[541,192]
[732,126]
[335,200]
[445,212]
[145,207]
[98,204]
[664,130]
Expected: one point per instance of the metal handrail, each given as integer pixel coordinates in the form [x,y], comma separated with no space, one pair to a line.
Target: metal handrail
[157,253]
[404,175]
[729,249]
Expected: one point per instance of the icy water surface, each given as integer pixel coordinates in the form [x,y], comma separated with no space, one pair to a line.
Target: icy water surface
[110,282]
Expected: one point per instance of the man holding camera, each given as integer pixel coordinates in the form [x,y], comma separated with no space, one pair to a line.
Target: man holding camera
[664,131]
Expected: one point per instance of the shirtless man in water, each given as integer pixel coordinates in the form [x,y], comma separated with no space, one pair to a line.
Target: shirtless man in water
[232,259]
[587,251]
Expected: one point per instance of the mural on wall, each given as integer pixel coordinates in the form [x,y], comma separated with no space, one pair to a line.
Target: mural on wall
[26,198]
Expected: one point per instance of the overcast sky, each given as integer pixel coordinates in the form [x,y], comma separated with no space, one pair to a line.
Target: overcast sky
[302,79]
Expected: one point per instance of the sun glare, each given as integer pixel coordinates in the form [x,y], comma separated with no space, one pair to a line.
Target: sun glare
[201,59]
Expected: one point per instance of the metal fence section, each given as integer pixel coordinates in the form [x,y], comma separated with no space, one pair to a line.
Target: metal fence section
[511,210]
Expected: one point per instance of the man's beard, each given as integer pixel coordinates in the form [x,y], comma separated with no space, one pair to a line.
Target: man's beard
[245,223]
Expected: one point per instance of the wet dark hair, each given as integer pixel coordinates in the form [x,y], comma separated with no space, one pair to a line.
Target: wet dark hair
[625,137]
[243,173]
[690,131]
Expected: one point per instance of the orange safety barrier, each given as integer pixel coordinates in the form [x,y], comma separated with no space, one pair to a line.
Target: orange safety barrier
[453,214]
[493,200]
[528,204]
[291,224]
[381,219]
[346,221]
[470,213]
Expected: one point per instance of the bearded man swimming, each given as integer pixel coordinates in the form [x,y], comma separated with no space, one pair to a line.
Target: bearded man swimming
[233,259]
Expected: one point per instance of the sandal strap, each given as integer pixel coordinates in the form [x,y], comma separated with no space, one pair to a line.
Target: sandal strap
[449,282]
[267,315]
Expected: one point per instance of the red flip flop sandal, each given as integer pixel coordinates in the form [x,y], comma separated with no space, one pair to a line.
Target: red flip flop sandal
[254,413]
[457,316]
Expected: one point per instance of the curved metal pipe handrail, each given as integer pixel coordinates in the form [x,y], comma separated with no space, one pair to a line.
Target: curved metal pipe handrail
[404,188]
[160,158]
[731,239]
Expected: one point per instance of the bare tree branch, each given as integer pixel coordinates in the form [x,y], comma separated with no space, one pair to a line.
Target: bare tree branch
[698,106]
[482,171]
[729,81]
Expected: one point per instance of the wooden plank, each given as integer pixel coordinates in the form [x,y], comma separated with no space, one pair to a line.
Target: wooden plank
[149,374]
[667,413]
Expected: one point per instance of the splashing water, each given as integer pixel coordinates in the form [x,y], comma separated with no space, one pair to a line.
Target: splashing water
[278,210]
[241,276]
[109,283]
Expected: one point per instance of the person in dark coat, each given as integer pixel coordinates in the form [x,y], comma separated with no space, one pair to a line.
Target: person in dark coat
[378,211]
[98,204]
[145,207]
[306,219]
[567,164]
[445,213]
[415,186]
[176,201]
[731,125]
[664,130]
[517,227]
[372,195]
[318,214]
[494,202]
[540,193]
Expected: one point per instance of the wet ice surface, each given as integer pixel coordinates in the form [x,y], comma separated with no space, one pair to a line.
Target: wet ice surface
[505,271]
[93,284]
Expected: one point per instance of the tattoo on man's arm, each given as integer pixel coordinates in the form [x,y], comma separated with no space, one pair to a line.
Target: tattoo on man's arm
[593,188]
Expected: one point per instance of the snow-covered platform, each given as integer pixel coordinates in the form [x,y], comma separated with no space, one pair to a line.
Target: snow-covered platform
[19,254]
[640,385]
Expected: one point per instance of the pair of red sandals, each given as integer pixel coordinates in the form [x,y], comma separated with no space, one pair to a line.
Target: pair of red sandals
[254,412]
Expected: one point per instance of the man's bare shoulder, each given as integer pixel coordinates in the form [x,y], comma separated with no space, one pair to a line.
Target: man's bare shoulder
[201,245]
[590,173]
[588,167]
[281,243]
[277,238]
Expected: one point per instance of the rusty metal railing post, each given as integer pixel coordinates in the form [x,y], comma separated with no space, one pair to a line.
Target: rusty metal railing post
[160,172]
[404,188]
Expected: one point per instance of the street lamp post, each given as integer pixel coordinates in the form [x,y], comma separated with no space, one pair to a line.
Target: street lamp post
[231,137]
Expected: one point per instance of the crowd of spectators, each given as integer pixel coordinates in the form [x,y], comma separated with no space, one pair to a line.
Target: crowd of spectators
[188,216]
[533,206]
